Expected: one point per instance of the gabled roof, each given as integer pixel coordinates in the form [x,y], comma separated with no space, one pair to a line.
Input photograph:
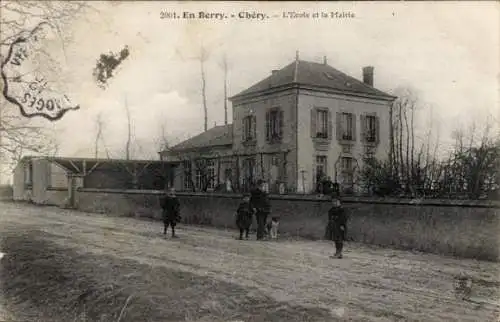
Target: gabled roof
[317,75]
[216,136]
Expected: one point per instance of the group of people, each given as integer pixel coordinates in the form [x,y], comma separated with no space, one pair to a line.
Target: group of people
[257,203]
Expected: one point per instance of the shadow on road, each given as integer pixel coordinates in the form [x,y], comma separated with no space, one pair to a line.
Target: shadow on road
[43,281]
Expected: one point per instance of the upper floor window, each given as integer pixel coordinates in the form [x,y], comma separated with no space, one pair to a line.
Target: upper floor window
[274,125]
[249,128]
[320,123]
[370,128]
[347,126]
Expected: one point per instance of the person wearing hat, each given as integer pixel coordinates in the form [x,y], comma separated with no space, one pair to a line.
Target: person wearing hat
[171,211]
[337,226]
[244,215]
[259,200]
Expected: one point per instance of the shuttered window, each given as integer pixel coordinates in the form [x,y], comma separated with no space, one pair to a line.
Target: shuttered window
[249,128]
[370,126]
[274,125]
[346,127]
[321,123]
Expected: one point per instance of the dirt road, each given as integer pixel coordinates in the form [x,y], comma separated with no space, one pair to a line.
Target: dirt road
[222,278]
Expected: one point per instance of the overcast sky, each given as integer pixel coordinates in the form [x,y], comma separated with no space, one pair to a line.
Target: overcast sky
[447,52]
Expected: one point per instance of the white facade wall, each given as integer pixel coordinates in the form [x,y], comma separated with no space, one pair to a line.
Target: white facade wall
[307,151]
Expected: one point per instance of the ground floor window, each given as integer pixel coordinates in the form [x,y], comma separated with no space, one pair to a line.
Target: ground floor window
[248,173]
[321,169]
[205,174]
[347,170]
[187,175]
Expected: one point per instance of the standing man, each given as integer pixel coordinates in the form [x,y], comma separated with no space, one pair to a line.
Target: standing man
[259,200]
[337,226]
[171,211]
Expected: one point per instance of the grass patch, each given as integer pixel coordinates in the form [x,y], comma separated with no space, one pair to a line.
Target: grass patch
[43,282]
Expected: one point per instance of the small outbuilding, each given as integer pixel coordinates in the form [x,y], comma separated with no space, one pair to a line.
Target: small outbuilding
[55,180]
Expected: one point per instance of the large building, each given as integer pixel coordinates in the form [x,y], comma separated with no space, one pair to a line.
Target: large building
[304,119]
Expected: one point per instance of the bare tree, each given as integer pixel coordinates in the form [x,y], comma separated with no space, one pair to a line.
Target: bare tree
[473,166]
[225,68]
[99,127]
[129,131]
[203,57]
[18,135]
[162,142]
[20,17]
[392,148]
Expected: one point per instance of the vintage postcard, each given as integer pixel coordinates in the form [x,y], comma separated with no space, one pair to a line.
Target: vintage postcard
[249,161]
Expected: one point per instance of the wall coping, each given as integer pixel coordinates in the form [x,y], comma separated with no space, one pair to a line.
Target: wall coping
[315,198]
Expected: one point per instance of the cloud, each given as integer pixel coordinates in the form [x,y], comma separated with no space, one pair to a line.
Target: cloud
[447,52]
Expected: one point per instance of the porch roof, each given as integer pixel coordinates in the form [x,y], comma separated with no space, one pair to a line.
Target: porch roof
[84,166]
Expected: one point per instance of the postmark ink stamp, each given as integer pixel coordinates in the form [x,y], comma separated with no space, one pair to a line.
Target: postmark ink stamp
[33,79]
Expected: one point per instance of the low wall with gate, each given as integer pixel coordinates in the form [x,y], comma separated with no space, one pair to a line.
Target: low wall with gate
[467,229]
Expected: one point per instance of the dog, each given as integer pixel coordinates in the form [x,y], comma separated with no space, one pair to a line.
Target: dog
[272,228]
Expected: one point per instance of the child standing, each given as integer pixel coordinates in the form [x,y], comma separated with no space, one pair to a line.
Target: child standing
[337,226]
[171,211]
[244,217]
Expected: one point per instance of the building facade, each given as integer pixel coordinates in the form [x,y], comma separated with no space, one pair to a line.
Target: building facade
[303,121]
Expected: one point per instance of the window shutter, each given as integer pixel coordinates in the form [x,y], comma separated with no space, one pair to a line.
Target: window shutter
[330,124]
[354,130]
[281,118]
[313,122]
[314,172]
[254,127]
[377,129]
[244,132]
[364,127]
[339,126]
[268,126]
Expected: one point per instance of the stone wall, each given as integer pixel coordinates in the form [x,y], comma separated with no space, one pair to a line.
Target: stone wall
[463,229]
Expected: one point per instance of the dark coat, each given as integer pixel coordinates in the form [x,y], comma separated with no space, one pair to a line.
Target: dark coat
[327,187]
[171,209]
[337,219]
[260,200]
[244,215]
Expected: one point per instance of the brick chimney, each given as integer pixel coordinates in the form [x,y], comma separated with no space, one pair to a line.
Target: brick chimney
[368,75]
[274,71]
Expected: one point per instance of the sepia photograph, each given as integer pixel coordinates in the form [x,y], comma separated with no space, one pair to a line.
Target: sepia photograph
[249,161]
